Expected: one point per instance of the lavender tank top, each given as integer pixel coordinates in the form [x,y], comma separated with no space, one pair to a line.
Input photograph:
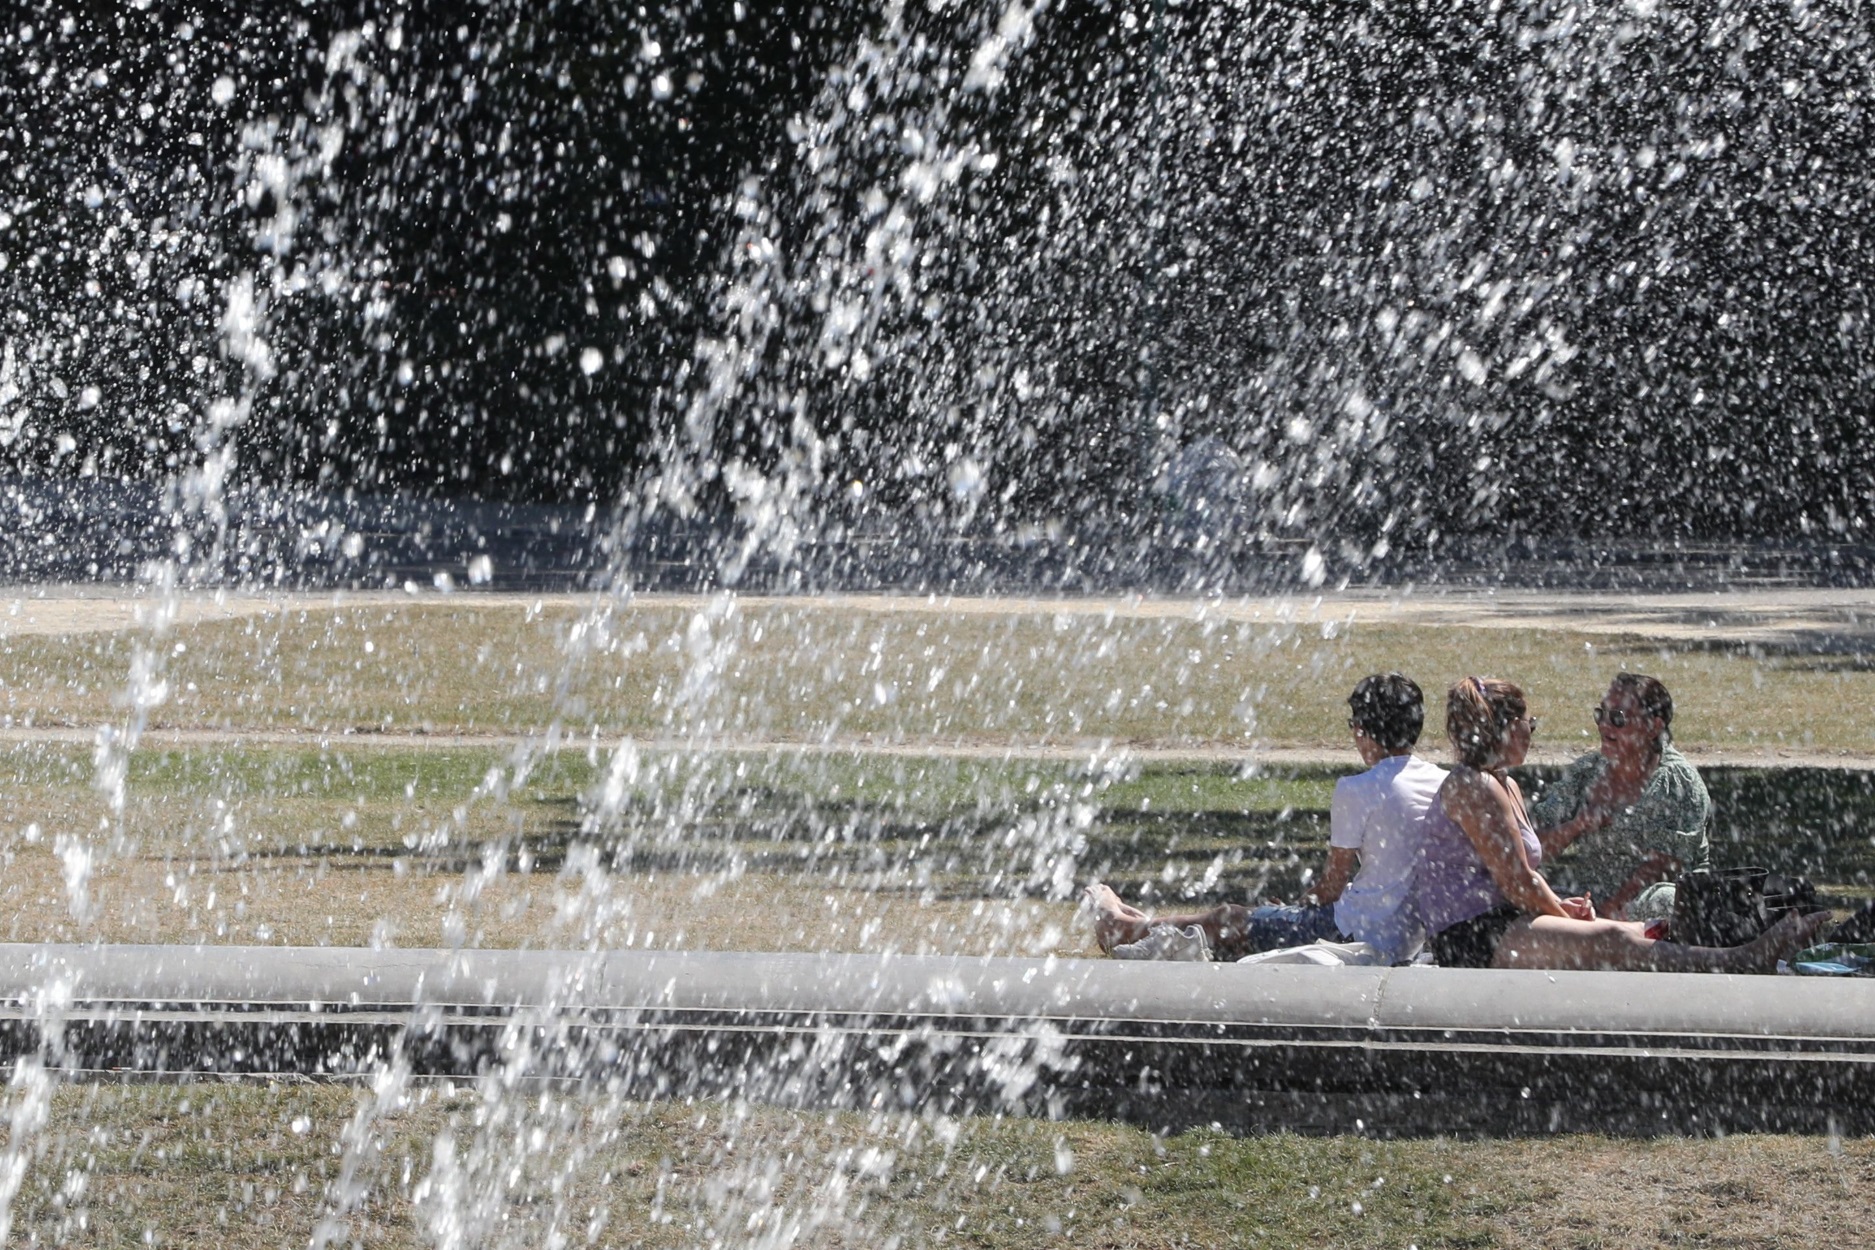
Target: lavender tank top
[1451,883]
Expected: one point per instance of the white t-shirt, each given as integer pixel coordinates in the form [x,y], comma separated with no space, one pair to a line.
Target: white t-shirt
[1379,813]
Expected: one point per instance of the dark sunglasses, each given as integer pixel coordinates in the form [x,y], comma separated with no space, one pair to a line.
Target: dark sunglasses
[1611,716]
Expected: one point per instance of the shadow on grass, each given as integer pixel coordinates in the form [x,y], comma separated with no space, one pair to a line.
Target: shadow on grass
[1810,822]
[981,853]
[1814,822]
[1818,823]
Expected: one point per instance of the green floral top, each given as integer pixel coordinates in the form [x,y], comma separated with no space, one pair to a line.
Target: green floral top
[1670,817]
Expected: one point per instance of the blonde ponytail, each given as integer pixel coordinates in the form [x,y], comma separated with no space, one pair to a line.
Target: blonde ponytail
[1479,712]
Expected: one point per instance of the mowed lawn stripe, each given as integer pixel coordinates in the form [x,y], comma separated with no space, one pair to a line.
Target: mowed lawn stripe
[812,672]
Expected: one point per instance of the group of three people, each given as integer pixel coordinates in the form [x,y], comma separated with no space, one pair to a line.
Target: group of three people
[1454,860]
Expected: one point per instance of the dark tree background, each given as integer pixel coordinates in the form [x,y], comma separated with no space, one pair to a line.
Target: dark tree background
[1413,271]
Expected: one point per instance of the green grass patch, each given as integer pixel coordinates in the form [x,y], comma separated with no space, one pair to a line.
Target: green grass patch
[1814,822]
[354,843]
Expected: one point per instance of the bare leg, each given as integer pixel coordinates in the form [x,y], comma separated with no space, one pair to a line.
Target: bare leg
[1116,922]
[1620,945]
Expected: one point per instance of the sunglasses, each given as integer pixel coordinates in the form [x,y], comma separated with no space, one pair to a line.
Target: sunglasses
[1611,716]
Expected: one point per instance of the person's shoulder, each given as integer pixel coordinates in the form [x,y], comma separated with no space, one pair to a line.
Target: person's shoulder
[1467,784]
[1675,774]
[1415,784]
[1391,771]
[1673,760]
[1367,781]
[1413,776]
[1419,766]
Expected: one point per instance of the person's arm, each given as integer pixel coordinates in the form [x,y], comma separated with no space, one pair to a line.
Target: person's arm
[1555,838]
[1348,812]
[1560,814]
[1656,867]
[1484,811]
[1671,816]
[1342,864]
[1595,794]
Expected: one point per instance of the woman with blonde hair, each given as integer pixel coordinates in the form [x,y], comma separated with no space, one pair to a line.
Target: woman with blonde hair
[1477,886]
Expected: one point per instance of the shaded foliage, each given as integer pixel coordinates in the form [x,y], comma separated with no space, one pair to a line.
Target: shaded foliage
[1521,271]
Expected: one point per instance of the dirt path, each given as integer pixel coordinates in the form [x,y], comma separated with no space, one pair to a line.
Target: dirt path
[1818,619]
[1061,752]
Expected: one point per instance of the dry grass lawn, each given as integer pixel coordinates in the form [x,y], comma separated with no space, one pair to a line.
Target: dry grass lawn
[250,1166]
[810,672]
[295,902]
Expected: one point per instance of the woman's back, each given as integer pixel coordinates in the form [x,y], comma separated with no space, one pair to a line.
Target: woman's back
[1452,884]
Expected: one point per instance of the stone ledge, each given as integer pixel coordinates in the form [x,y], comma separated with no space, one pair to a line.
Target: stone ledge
[1396,1051]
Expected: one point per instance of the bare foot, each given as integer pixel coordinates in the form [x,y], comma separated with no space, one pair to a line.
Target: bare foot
[1114,921]
[1106,898]
[1781,941]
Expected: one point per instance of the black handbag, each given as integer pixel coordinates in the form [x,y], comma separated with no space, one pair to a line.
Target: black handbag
[1731,906]
[1859,927]
[1718,907]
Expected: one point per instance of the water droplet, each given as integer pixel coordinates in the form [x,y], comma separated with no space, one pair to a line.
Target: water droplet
[1314,568]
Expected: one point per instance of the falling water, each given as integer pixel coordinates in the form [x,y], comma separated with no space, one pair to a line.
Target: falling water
[1082,299]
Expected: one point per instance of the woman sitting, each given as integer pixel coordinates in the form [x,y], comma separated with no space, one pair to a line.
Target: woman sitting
[1478,888]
